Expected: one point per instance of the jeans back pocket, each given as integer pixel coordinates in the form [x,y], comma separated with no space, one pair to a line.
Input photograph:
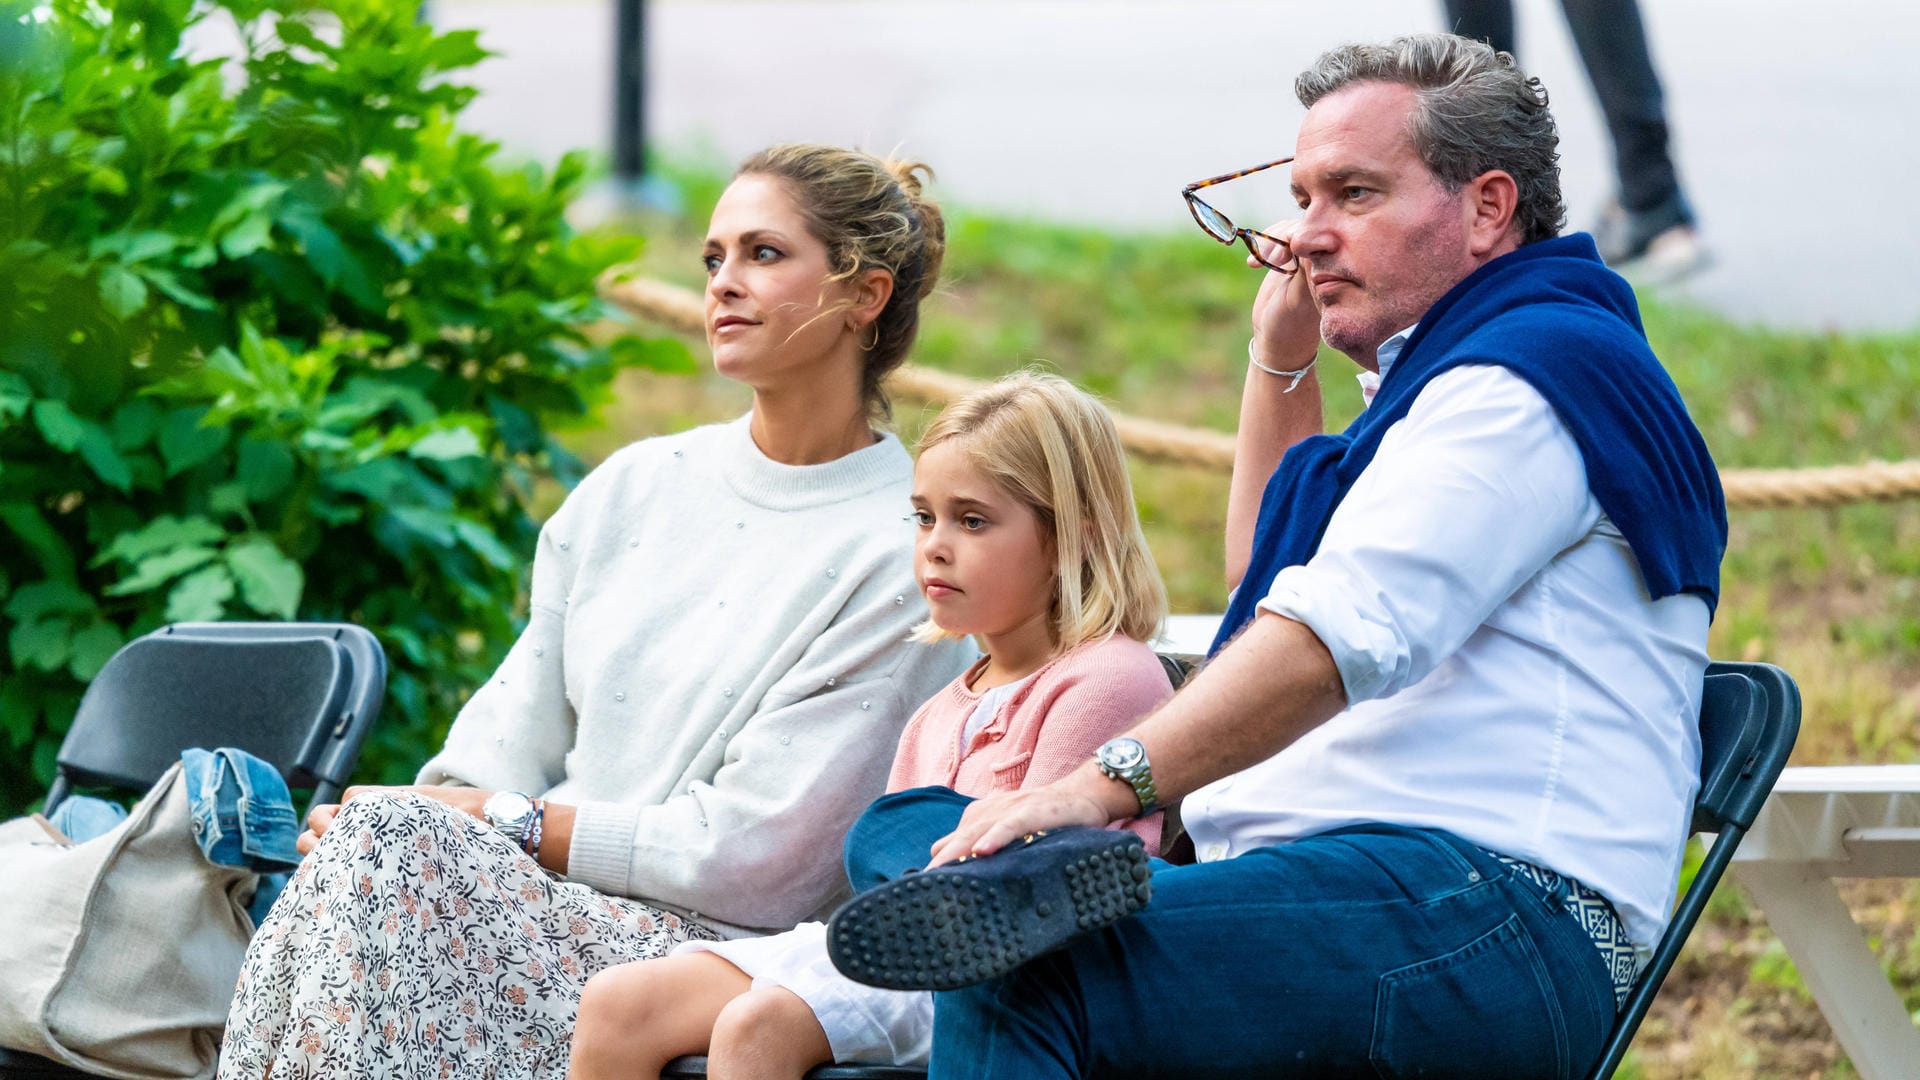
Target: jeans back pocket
[1486,1010]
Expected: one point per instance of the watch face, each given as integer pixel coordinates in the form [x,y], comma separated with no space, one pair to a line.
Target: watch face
[508,806]
[1122,754]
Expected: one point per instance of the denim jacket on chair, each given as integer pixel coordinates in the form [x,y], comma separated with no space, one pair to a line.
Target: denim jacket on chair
[243,815]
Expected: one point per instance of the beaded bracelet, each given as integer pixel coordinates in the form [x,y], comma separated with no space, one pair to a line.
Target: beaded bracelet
[530,840]
[1296,376]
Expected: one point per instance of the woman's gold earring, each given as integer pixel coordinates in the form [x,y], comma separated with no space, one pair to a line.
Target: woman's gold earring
[875,343]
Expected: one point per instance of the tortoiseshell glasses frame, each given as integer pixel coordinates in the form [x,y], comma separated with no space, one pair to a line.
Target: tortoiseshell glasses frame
[1221,227]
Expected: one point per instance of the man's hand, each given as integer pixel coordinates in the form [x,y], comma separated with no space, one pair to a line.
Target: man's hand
[464,799]
[1286,320]
[1082,797]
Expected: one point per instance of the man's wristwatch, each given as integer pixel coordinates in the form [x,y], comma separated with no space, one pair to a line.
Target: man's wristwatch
[1125,759]
[512,813]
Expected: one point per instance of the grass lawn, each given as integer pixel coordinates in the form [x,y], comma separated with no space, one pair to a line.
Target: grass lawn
[1157,325]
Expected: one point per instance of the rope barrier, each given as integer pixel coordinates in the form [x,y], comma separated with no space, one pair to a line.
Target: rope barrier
[682,311]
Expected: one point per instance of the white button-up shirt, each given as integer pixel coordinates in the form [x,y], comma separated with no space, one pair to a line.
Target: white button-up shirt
[1508,677]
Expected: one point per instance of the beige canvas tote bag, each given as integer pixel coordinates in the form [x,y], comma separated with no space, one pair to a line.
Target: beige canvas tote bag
[119,955]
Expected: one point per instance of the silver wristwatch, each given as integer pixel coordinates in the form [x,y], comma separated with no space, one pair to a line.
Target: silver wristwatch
[1125,759]
[511,812]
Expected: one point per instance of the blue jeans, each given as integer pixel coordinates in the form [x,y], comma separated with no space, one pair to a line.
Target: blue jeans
[243,816]
[1374,951]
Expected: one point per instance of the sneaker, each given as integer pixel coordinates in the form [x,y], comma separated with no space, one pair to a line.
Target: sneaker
[981,918]
[1672,254]
[1652,250]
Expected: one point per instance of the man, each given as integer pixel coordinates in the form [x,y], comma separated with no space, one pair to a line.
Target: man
[1438,768]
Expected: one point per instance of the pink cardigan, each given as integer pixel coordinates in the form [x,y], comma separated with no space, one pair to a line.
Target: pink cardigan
[1048,728]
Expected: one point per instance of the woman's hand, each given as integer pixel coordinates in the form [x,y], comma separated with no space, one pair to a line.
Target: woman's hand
[464,799]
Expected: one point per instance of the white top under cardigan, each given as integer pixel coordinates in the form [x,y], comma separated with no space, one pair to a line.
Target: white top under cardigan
[715,671]
[1508,677]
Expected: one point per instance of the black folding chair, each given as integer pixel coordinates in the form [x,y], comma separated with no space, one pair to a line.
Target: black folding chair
[1749,718]
[298,695]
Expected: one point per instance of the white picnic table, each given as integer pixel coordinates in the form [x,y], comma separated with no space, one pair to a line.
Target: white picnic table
[1822,823]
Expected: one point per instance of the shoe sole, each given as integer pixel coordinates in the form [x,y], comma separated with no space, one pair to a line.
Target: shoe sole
[943,931]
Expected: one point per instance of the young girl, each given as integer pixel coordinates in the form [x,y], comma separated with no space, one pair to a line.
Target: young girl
[1028,541]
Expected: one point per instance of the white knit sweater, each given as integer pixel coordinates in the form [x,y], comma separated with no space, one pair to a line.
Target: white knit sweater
[715,671]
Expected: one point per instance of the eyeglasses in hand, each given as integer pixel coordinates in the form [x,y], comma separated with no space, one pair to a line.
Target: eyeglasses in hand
[1222,228]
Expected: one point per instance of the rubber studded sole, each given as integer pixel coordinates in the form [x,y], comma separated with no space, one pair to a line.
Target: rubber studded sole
[967,923]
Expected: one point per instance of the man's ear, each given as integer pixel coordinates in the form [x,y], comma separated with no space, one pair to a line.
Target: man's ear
[1491,199]
[870,295]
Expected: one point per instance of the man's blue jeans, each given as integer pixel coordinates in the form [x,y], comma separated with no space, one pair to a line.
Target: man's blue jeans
[1376,951]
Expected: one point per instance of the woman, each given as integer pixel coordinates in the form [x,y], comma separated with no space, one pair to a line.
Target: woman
[715,671]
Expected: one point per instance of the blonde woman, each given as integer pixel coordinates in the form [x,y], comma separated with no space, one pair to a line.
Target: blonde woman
[715,669]
[1028,541]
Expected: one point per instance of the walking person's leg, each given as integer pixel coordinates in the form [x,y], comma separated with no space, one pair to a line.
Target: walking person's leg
[1383,952]
[1612,40]
[1490,21]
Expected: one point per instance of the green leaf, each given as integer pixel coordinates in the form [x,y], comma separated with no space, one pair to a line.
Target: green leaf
[135,423]
[163,533]
[156,570]
[44,598]
[132,247]
[184,443]
[19,709]
[92,647]
[481,541]
[41,644]
[250,234]
[228,498]
[436,529]
[458,49]
[58,425]
[16,396]
[96,449]
[122,291]
[49,550]
[447,445]
[201,596]
[265,469]
[169,283]
[270,582]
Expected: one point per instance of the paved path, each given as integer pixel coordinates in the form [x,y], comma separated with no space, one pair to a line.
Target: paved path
[1794,121]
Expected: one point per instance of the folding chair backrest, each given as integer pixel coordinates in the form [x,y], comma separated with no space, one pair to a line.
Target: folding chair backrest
[1179,667]
[1749,718]
[298,695]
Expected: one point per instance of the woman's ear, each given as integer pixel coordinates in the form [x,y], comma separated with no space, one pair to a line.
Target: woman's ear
[871,292]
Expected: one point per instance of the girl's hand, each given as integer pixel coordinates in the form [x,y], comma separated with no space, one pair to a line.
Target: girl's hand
[464,799]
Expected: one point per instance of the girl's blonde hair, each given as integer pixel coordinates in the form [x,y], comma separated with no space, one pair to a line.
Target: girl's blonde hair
[1055,449]
[870,213]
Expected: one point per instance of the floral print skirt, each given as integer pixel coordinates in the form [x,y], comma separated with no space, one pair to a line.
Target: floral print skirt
[416,941]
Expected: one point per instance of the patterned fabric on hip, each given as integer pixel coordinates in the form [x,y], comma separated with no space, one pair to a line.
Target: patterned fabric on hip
[1597,918]
[418,942]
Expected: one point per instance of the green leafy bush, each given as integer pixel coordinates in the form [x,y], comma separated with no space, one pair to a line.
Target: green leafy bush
[276,341]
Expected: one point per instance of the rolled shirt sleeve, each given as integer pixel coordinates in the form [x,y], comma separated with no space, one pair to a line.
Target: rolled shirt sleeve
[1467,498]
